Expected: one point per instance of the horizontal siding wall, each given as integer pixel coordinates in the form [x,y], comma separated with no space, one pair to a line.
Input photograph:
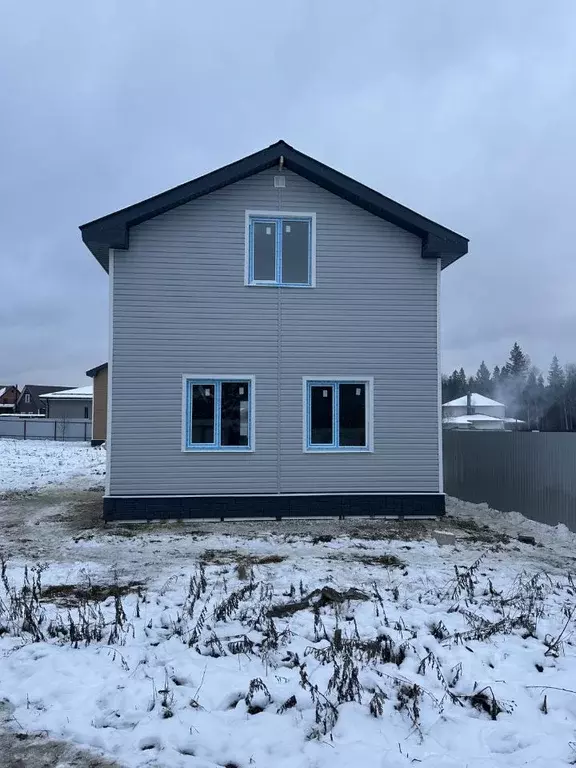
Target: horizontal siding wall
[69,409]
[373,313]
[180,306]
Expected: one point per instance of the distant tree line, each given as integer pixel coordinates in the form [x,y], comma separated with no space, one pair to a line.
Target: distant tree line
[546,404]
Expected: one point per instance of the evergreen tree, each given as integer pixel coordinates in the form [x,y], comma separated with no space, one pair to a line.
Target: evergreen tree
[533,399]
[556,378]
[556,417]
[513,380]
[483,383]
[504,376]
[518,363]
[453,386]
[570,397]
[445,388]
[463,382]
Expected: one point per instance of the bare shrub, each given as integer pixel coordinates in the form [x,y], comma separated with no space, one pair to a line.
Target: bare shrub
[226,609]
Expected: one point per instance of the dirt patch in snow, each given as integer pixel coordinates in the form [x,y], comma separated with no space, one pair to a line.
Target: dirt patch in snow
[386,561]
[22,750]
[19,749]
[227,556]
[71,595]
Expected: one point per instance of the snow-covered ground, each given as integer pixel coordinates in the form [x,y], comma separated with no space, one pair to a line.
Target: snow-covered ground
[301,644]
[31,464]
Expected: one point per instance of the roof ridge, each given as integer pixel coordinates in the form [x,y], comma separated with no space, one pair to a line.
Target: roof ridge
[112,230]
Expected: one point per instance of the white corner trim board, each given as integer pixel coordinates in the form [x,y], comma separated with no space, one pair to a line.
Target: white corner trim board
[110,371]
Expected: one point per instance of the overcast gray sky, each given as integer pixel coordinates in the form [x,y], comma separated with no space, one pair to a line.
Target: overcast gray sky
[464,111]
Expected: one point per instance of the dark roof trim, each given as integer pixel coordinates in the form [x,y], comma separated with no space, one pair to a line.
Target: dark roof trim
[112,231]
[94,371]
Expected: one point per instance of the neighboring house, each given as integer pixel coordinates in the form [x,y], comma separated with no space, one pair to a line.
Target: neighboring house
[263,320]
[69,404]
[99,374]
[30,400]
[474,421]
[8,398]
[474,411]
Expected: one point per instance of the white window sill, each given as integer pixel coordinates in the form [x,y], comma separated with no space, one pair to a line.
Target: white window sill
[217,450]
[279,285]
[338,450]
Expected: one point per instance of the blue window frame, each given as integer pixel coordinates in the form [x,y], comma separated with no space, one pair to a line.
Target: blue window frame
[338,415]
[280,249]
[218,414]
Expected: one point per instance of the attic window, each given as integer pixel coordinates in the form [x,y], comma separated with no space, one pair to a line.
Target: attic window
[280,249]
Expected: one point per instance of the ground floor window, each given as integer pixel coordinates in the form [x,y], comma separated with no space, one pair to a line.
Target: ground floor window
[218,414]
[338,414]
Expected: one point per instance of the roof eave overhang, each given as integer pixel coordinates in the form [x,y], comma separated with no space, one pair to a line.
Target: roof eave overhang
[96,370]
[112,231]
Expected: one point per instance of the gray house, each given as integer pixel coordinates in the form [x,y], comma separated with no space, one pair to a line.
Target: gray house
[69,404]
[274,347]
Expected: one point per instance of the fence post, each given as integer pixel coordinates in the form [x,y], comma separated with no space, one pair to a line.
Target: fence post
[85,436]
[55,423]
[24,420]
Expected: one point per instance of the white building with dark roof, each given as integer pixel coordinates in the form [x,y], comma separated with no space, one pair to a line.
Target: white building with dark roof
[69,403]
[475,411]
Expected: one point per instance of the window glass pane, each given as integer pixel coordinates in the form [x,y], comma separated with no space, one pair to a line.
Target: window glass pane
[295,251]
[321,403]
[234,416]
[203,413]
[352,416]
[264,245]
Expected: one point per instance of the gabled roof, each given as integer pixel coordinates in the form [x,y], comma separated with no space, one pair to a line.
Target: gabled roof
[79,393]
[39,389]
[112,231]
[476,401]
[94,371]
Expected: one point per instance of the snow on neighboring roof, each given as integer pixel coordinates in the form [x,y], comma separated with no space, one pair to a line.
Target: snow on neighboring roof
[476,400]
[3,391]
[36,390]
[471,418]
[71,394]
[482,417]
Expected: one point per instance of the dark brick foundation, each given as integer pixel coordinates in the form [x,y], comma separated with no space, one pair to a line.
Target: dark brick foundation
[230,507]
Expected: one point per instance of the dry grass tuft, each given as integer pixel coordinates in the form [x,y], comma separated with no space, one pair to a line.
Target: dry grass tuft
[72,595]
